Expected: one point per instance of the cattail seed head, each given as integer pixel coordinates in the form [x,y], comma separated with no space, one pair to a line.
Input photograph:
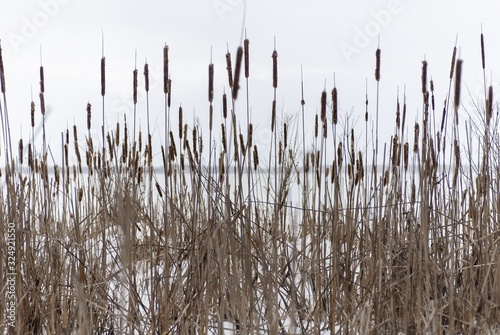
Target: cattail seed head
[103,76]
[42,103]
[236,86]
[210,83]
[335,106]
[89,115]
[275,68]
[458,79]
[316,126]
[417,132]
[424,77]
[489,105]
[250,135]
[21,148]
[2,73]
[323,106]
[242,144]
[483,58]
[246,44]
[180,122]
[135,86]
[146,77]
[224,106]
[42,81]
[339,155]
[405,155]
[398,118]
[30,157]
[453,57]
[224,143]
[229,69]
[377,67]
[325,130]
[285,135]
[165,69]
[32,114]
[255,158]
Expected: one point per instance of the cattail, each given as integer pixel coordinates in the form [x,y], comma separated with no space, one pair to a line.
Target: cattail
[323,106]
[224,144]
[453,61]
[325,130]
[21,147]
[280,152]
[246,43]
[250,135]
[236,86]
[229,69]
[117,134]
[306,164]
[353,154]
[458,78]
[377,67]
[103,76]
[417,131]
[403,121]
[32,114]
[242,144]
[224,106]
[285,140]
[489,105]
[405,155]
[424,76]
[66,158]
[483,58]
[360,171]
[316,126]
[42,81]
[135,86]
[195,139]
[398,120]
[42,103]
[395,151]
[89,115]
[30,156]
[185,135]
[174,149]
[221,166]
[255,158]
[210,83]
[339,155]
[335,106]
[275,69]
[2,73]
[165,69]
[432,96]
[180,122]
[146,77]
[273,115]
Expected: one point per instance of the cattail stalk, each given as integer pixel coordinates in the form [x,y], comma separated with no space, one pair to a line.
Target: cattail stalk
[237,70]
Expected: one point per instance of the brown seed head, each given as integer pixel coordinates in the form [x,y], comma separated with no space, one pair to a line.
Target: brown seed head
[335,106]
[89,115]
[458,78]
[377,67]
[229,69]
[103,76]
[42,81]
[424,77]
[224,106]
[483,58]
[275,69]
[32,114]
[165,69]
[180,122]
[246,44]
[42,103]
[453,62]
[210,83]
[146,77]
[135,86]
[236,85]
[323,106]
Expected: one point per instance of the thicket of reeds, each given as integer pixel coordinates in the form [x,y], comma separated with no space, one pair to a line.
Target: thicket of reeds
[387,238]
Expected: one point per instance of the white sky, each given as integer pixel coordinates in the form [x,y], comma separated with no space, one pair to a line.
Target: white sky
[308,33]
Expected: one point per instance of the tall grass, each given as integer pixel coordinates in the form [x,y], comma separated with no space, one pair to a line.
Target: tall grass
[386,237]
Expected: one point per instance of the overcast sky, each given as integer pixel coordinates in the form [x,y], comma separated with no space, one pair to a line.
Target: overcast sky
[324,37]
